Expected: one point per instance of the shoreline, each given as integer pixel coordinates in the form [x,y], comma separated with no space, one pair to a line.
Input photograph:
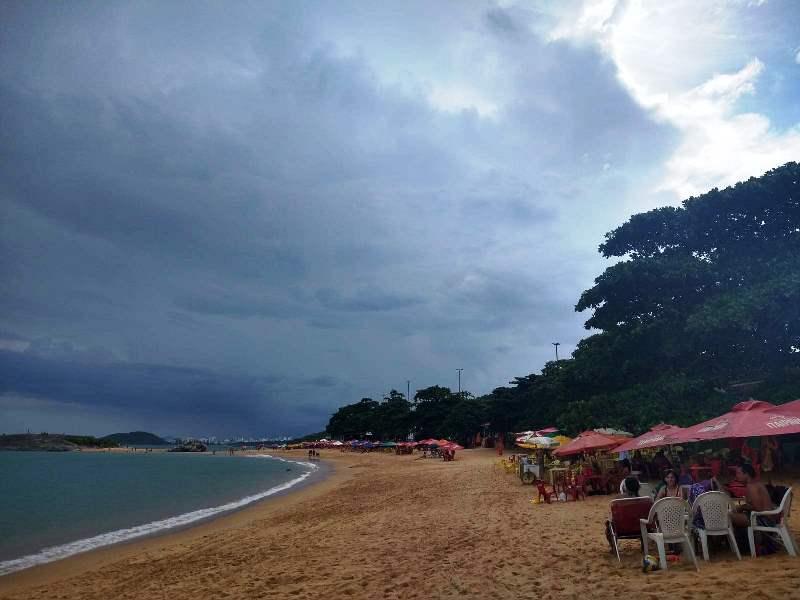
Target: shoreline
[402,528]
[83,559]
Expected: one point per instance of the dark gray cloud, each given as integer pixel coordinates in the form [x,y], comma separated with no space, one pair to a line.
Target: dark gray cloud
[262,211]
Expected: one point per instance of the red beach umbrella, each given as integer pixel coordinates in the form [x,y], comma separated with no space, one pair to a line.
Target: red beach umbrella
[660,435]
[784,418]
[746,419]
[452,446]
[589,440]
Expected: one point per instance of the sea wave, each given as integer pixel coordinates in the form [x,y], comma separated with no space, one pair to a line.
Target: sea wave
[121,535]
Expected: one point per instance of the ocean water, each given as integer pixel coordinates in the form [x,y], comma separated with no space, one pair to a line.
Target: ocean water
[54,504]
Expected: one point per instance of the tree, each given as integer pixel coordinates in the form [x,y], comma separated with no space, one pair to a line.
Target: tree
[354,420]
[431,407]
[392,418]
[711,288]
[464,419]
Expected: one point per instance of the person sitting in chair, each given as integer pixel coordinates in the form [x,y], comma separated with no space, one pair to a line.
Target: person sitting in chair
[670,486]
[757,498]
[630,487]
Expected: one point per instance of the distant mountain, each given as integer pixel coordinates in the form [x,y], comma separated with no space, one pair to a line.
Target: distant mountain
[137,438]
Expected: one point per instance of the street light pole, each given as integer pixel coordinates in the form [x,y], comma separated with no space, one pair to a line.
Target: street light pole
[459,381]
[408,390]
[556,344]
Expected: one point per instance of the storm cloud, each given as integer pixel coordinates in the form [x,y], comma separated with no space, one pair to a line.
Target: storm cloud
[233,218]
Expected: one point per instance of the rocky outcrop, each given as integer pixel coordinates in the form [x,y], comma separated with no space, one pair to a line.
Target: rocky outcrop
[190,446]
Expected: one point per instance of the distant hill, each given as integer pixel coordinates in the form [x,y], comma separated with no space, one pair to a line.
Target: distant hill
[136,438]
[51,442]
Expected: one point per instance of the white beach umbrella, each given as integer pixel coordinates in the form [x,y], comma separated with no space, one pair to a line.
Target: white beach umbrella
[538,440]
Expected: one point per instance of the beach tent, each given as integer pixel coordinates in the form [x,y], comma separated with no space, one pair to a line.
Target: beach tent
[751,418]
[660,435]
[589,441]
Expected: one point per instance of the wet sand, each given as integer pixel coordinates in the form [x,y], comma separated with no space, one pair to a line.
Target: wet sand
[386,526]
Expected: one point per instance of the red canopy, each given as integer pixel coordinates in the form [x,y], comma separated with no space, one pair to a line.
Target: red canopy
[746,419]
[589,440]
[660,435]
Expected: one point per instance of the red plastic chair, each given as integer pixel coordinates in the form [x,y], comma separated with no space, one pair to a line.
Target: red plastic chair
[544,494]
[577,487]
[624,522]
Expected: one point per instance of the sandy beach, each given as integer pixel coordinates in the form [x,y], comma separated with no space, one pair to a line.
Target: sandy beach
[386,526]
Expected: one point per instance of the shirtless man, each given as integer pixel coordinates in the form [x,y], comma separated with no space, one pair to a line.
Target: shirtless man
[757,496]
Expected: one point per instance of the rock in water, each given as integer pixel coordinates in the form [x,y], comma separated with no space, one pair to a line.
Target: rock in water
[190,446]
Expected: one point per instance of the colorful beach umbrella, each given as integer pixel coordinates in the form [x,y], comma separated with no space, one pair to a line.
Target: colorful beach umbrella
[660,435]
[589,441]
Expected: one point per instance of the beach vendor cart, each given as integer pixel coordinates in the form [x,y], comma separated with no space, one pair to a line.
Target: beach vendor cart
[532,468]
[529,470]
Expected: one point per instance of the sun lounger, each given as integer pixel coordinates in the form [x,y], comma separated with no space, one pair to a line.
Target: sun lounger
[623,523]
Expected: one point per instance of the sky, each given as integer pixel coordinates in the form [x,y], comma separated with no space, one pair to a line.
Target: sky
[231,218]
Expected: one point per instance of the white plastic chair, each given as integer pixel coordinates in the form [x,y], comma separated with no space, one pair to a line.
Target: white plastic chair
[716,510]
[781,528]
[671,515]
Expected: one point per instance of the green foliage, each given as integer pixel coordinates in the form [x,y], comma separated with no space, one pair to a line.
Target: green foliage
[91,441]
[354,420]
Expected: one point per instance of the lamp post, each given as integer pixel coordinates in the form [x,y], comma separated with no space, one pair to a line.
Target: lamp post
[459,382]
[556,344]
[408,390]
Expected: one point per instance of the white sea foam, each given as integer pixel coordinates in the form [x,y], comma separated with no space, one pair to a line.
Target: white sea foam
[121,535]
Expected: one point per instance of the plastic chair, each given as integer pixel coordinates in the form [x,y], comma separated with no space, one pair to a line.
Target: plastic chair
[781,516]
[671,515]
[577,487]
[716,510]
[645,489]
[544,494]
[623,523]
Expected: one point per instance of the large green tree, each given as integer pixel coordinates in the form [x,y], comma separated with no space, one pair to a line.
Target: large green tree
[431,407]
[353,421]
[711,288]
